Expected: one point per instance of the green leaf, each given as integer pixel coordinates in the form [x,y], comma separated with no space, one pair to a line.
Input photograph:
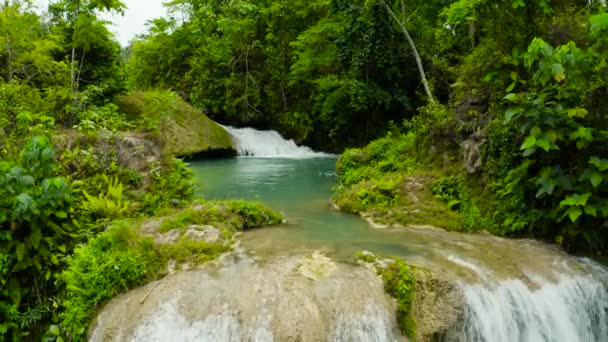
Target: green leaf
[596,179]
[512,112]
[590,210]
[61,214]
[577,112]
[575,200]
[529,142]
[558,72]
[512,97]
[511,87]
[574,213]
[529,152]
[544,143]
[54,330]
[601,164]
[547,184]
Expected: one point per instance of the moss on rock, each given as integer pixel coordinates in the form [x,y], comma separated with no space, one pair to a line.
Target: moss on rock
[183,130]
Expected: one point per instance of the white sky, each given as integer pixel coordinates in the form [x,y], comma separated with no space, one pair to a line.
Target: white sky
[125,28]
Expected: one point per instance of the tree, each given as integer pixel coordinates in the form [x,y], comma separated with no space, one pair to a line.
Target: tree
[26,48]
[85,26]
[401,24]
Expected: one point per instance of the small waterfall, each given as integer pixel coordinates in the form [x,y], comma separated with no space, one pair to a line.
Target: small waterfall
[573,309]
[168,324]
[269,144]
[372,325]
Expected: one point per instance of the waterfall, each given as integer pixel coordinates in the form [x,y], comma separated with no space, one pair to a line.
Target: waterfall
[572,309]
[371,325]
[269,144]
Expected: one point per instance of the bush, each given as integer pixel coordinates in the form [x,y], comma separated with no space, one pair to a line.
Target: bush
[111,263]
[35,235]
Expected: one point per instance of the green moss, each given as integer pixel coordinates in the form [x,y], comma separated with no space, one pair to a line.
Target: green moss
[186,250]
[182,129]
[254,214]
[181,220]
[235,215]
[366,257]
[399,283]
[397,199]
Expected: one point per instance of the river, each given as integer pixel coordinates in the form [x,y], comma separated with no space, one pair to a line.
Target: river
[513,290]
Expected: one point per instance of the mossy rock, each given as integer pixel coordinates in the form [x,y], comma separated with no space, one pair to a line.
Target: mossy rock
[183,130]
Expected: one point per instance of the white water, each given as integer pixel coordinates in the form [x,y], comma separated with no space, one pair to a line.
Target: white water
[573,309]
[269,144]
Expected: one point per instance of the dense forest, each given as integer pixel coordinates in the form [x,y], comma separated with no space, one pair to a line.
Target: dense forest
[497,107]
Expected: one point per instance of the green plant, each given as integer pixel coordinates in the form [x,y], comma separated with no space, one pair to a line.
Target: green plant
[254,214]
[564,138]
[35,236]
[171,184]
[107,265]
[109,204]
[399,283]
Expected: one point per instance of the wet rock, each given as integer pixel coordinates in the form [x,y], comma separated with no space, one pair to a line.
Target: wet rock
[316,267]
[247,300]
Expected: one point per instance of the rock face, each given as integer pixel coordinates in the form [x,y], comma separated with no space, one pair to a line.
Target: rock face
[246,300]
[438,307]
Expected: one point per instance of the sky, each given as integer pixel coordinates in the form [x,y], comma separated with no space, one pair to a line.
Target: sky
[125,28]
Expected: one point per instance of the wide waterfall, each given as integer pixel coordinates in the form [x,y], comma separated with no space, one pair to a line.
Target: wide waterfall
[269,144]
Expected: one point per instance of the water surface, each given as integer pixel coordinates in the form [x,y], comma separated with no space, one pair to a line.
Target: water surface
[300,189]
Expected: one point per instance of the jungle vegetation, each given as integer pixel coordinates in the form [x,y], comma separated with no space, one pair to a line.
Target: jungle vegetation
[497,107]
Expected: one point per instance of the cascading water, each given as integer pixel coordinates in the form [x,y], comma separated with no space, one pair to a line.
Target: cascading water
[503,289]
[572,308]
[269,144]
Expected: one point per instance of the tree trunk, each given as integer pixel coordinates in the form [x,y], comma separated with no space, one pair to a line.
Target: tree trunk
[9,63]
[413,46]
[73,84]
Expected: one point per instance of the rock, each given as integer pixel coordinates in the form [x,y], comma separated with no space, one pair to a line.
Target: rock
[185,131]
[316,267]
[472,154]
[198,207]
[169,237]
[208,234]
[438,307]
